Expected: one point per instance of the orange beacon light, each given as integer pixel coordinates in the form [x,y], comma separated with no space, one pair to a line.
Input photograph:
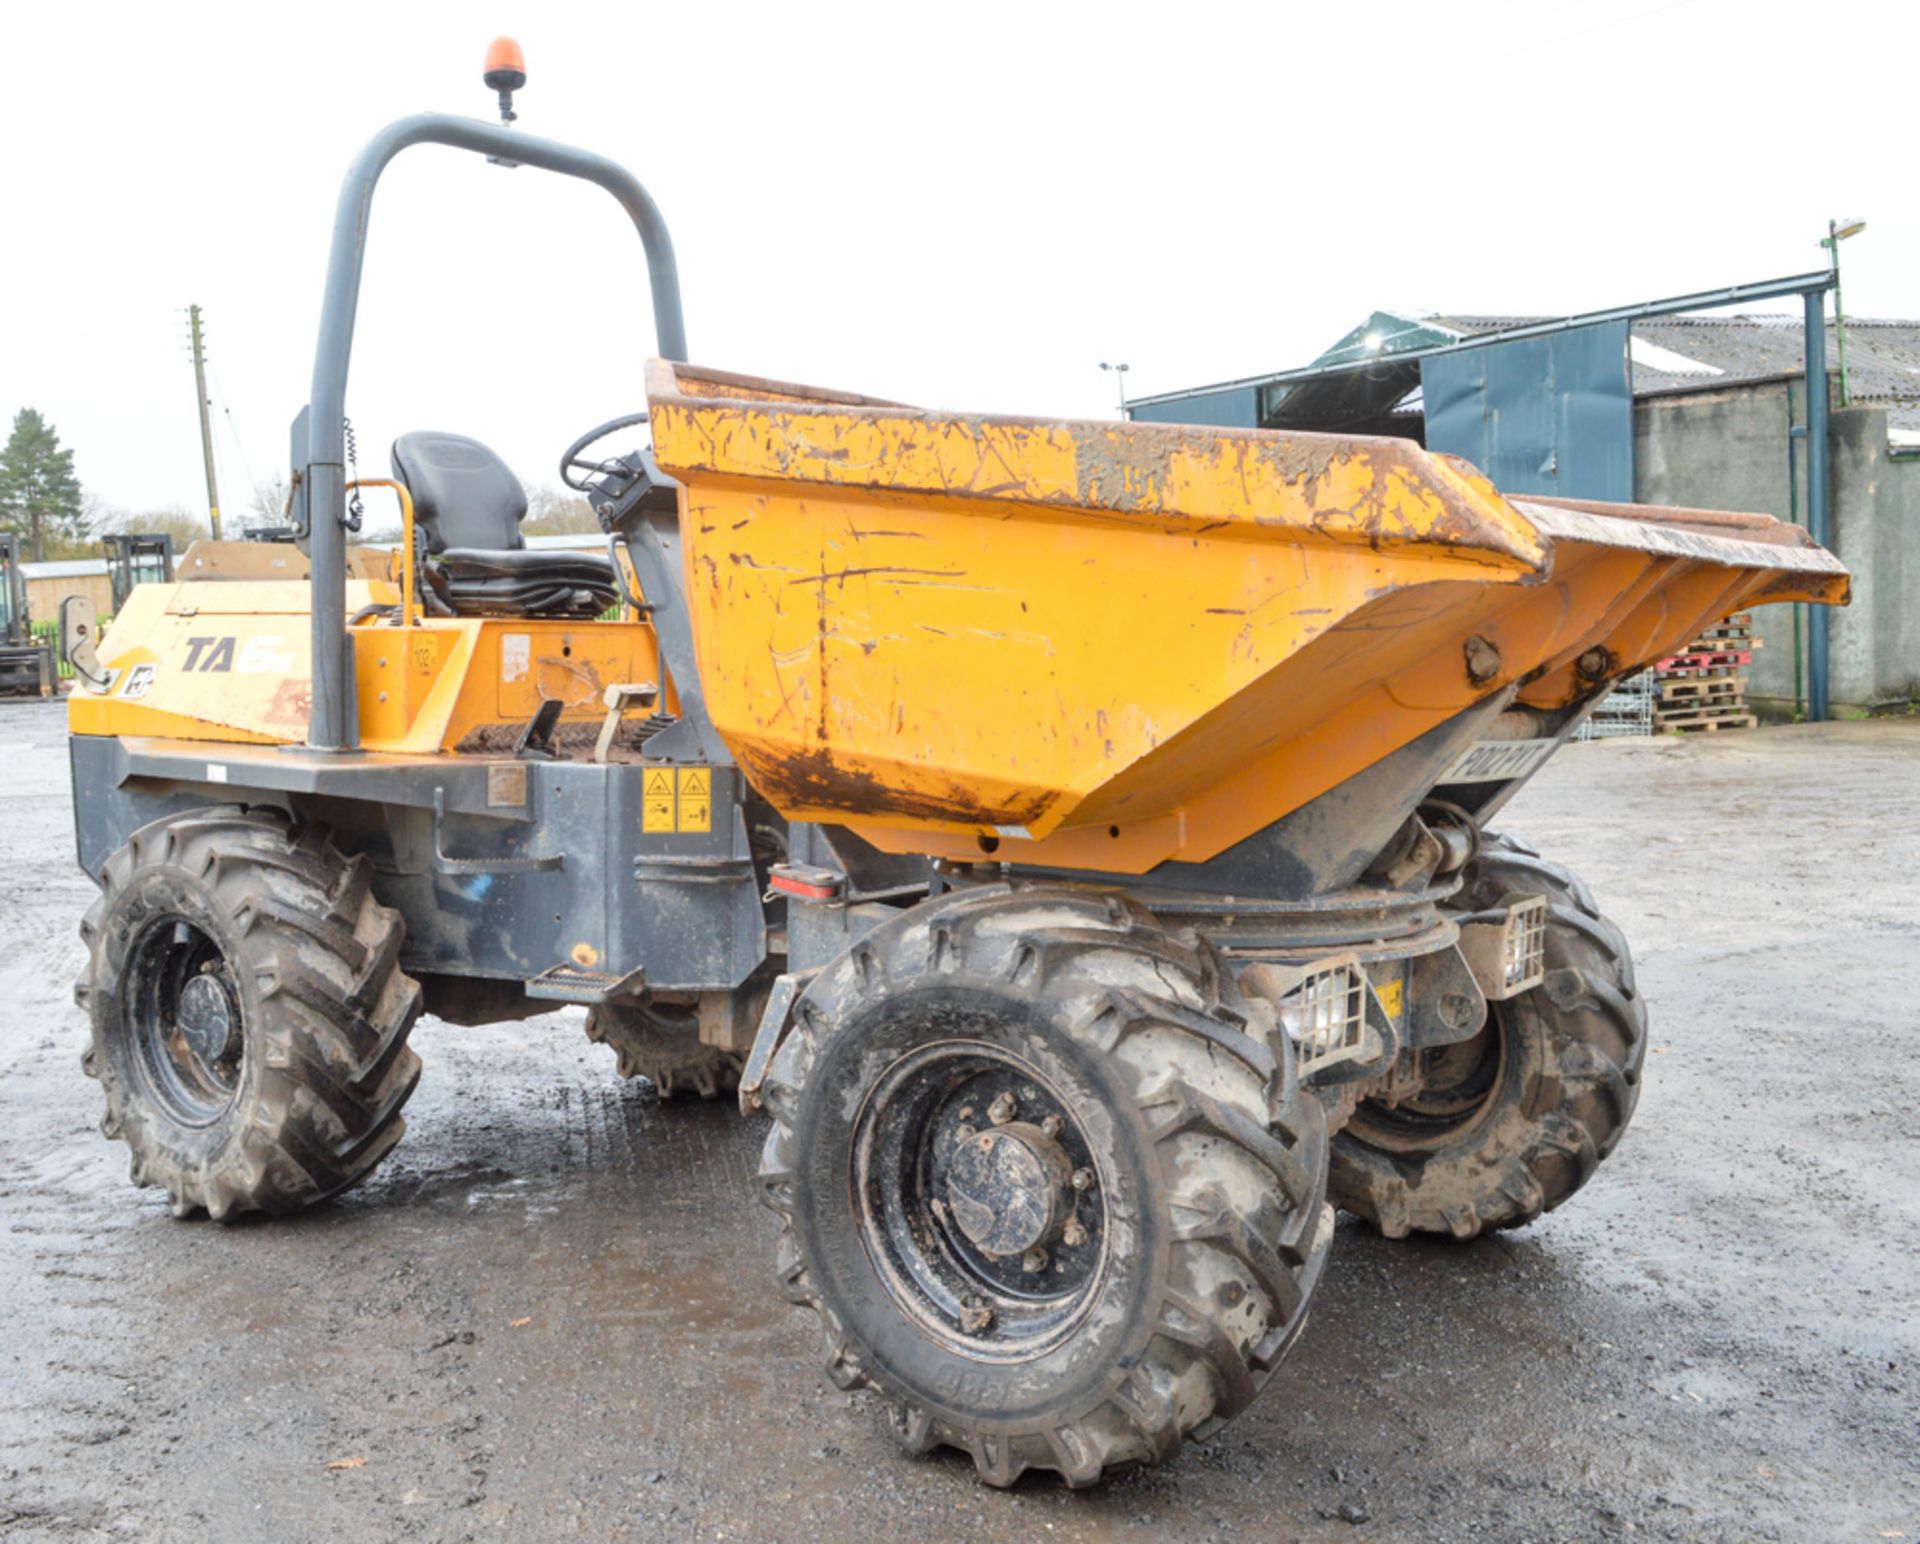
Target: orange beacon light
[506,73]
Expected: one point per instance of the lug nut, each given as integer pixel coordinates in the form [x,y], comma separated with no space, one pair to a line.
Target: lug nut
[1001,1110]
[1053,1125]
[1034,1260]
[1073,1235]
[1082,1179]
[965,1133]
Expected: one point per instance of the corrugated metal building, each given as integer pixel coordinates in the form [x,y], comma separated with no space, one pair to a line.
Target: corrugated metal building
[1696,410]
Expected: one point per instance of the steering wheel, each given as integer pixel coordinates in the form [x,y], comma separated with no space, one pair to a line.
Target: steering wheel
[613,473]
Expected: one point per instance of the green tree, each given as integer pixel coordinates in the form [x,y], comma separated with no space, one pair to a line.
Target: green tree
[39,495]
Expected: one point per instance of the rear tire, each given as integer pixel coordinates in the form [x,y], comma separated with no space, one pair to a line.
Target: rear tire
[1079,1322]
[249,1013]
[662,1044]
[1526,1110]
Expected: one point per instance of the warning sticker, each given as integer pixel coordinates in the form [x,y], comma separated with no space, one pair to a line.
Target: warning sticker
[1392,995]
[696,799]
[516,652]
[656,801]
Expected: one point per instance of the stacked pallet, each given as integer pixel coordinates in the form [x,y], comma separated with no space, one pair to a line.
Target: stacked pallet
[1704,687]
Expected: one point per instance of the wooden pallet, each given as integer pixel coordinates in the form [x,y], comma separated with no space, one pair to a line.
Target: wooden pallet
[1704,723]
[1720,659]
[1733,628]
[1704,688]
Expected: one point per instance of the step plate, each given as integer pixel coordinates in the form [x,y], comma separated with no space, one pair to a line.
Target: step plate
[571,984]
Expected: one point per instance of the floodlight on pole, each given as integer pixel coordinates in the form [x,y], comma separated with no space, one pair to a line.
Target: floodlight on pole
[1120,375]
[1837,232]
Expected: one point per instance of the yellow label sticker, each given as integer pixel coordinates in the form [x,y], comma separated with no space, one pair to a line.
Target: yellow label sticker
[696,799]
[1392,995]
[656,802]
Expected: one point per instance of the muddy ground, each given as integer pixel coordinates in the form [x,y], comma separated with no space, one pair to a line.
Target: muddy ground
[550,1314]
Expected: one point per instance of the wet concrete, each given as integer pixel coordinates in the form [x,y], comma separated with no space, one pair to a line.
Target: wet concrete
[550,1314]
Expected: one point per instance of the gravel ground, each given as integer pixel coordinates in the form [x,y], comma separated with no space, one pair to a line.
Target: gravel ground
[550,1314]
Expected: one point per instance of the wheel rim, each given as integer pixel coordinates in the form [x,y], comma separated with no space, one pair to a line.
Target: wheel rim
[980,1200]
[1460,1088]
[184,1019]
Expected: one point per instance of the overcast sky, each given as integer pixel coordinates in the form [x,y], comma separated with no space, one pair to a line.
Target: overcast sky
[958,205]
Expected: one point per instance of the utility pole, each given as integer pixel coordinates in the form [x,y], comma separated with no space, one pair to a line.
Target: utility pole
[206,429]
[1120,375]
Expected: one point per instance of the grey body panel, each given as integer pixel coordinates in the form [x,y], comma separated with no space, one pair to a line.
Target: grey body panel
[567,877]
[508,869]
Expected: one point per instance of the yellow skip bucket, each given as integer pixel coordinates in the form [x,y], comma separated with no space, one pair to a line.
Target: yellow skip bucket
[1107,644]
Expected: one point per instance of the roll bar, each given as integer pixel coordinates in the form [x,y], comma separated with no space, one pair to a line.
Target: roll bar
[319,441]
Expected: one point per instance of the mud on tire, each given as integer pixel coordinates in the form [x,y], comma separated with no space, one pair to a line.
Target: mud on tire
[1533,1104]
[662,1044]
[1196,1219]
[249,1013]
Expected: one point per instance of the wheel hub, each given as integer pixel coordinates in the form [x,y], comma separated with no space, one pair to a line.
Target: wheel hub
[209,1022]
[1009,1189]
[980,1198]
[185,1019]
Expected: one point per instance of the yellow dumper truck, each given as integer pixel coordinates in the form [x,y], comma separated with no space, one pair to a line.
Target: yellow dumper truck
[1077,837]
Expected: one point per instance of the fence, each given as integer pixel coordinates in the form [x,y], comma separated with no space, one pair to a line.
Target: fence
[49,634]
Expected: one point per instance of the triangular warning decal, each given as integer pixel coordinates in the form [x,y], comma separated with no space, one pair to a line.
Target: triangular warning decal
[659,785]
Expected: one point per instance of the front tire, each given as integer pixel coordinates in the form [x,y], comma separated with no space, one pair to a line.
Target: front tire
[249,1013]
[1514,1121]
[1044,1182]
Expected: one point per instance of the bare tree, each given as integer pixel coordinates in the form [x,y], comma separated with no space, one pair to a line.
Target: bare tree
[553,513]
[174,520]
[268,506]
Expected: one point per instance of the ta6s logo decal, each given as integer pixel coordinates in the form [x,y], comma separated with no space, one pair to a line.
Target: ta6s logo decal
[259,655]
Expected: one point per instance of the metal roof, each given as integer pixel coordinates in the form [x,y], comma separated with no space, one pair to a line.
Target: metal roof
[65,568]
[1704,353]
[1685,352]
[1381,348]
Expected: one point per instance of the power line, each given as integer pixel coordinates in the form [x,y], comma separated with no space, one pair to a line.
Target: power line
[233,429]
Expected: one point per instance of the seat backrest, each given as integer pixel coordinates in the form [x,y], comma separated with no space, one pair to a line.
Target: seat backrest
[463,494]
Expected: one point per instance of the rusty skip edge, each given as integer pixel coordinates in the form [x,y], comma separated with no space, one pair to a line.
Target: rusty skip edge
[1126,470]
[1798,568]
[1123,469]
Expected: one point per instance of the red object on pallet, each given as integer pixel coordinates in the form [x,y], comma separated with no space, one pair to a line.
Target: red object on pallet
[1676,664]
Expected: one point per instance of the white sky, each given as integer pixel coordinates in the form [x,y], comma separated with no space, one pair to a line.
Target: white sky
[964,205]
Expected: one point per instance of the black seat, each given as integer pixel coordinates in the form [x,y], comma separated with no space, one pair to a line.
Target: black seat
[468,506]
